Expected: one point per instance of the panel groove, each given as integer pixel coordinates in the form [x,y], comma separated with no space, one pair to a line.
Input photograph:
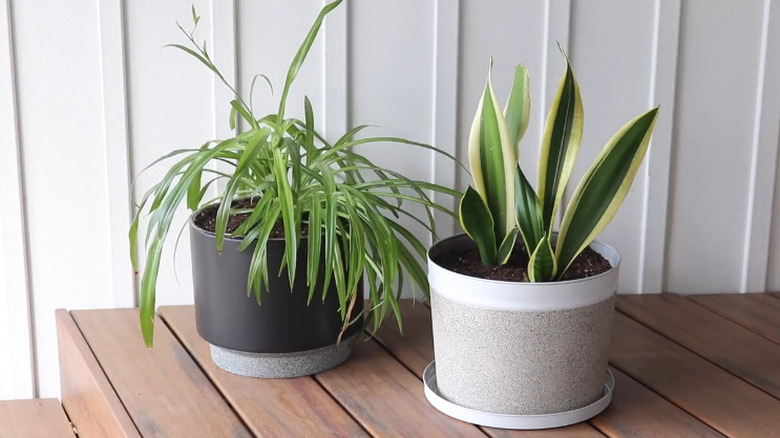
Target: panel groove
[764,157]
[19,362]
[117,146]
[657,164]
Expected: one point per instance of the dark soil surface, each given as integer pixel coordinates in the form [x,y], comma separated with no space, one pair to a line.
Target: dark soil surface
[468,262]
[207,219]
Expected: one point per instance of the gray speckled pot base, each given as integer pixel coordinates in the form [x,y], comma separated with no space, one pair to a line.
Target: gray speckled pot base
[282,365]
[511,362]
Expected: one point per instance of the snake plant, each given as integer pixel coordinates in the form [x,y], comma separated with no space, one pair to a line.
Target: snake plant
[308,184]
[503,204]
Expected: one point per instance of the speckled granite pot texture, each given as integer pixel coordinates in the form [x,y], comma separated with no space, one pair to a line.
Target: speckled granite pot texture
[521,362]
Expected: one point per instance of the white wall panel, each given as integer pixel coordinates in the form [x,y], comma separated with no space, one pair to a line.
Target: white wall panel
[170,107]
[396,101]
[611,54]
[63,156]
[16,359]
[713,136]
[773,261]
[766,128]
[512,33]
[269,34]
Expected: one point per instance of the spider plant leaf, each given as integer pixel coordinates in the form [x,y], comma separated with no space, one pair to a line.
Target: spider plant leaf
[287,203]
[604,187]
[505,250]
[477,222]
[329,222]
[518,108]
[195,16]
[300,55]
[542,265]
[528,211]
[309,133]
[492,161]
[560,144]
[315,242]
[193,192]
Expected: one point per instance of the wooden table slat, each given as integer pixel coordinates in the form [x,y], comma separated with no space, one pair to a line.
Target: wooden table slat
[699,366]
[162,388]
[739,350]
[270,407]
[758,312]
[386,398]
[713,395]
[636,411]
[87,395]
[40,418]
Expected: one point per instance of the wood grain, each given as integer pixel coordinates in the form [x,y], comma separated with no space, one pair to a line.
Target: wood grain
[269,407]
[387,399]
[87,395]
[731,346]
[711,394]
[759,312]
[163,390]
[636,411]
[41,418]
[414,349]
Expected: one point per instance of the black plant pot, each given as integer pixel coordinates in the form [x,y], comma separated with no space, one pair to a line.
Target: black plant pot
[280,338]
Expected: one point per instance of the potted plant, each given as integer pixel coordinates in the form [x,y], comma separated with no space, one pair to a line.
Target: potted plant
[280,256]
[521,331]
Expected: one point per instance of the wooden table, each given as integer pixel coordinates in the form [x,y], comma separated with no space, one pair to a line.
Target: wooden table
[707,366]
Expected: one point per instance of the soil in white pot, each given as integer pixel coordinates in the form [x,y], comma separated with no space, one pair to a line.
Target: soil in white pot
[468,262]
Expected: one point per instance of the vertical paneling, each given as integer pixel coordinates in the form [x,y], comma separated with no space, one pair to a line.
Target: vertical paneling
[517,33]
[171,106]
[391,67]
[115,132]
[666,37]
[269,33]
[64,160]
[335,73]
[714,132]
[772,93]
[766,127]
[611,54]
[225,56]
[445,106]
[16,360]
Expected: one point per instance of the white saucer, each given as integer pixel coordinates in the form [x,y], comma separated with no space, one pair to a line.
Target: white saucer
[507,421]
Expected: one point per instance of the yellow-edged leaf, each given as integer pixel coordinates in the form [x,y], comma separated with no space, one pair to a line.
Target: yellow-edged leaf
[560,144]
[604,187]
[542,266]
[518,108]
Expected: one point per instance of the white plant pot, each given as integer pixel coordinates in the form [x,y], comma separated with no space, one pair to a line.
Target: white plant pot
[532,352]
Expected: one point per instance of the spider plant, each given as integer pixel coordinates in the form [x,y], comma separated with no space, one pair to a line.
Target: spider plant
[312,186]
[503,204]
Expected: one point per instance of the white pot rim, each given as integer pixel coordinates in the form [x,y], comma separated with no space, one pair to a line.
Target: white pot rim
[519,296]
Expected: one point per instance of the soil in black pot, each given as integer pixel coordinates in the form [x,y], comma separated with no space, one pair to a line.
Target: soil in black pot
[206,219]
[468,262]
